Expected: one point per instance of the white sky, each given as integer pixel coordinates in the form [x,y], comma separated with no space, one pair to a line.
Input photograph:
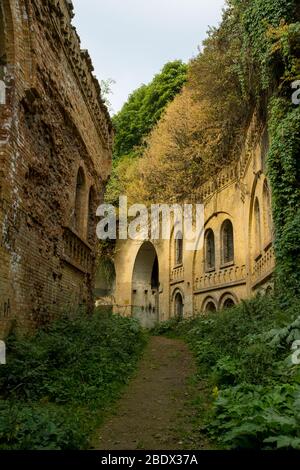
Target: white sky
[130,40]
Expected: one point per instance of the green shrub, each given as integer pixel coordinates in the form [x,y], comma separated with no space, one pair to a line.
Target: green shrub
[57,383]
[245,355]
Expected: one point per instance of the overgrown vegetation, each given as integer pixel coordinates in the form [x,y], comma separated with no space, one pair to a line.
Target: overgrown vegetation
[170,137]
[57,384]
[246,66]
[145,107]
[244,354]
[271,39]
[136,120]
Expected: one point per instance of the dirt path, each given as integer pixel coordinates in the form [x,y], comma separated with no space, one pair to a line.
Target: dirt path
[155,410]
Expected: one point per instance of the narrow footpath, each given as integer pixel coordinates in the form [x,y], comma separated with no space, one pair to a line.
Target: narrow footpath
[155,411]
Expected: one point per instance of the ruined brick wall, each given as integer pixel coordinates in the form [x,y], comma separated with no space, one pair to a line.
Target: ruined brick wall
[55,157]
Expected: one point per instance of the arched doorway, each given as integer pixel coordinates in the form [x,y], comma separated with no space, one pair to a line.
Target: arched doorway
[145,286]
[178,305]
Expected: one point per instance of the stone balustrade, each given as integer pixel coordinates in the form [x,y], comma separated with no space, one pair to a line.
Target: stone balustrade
[224,276]
[225,176]
[177,274]
[264,266]
[76,251]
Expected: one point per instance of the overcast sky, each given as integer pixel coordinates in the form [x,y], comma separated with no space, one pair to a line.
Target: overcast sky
[130,40]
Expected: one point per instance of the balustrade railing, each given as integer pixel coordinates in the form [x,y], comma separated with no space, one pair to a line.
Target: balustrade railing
[223,276]
[177,274]
[76,251]
[264,265]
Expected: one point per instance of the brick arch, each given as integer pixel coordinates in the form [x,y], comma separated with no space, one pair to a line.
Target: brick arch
[7,36]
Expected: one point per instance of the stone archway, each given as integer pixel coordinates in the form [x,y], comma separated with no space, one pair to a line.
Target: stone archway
[209,305]
[228,301]
[178,305]
[145,286]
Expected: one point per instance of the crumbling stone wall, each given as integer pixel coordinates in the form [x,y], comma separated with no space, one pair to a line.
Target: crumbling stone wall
[53,127]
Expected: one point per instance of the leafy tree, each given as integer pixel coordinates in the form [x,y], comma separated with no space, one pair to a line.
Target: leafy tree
[204,127]
[145,106]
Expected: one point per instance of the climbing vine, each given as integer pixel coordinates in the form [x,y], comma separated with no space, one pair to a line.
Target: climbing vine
[270,56]
[284,173]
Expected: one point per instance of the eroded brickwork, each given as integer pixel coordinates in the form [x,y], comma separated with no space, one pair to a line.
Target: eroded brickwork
[55,157]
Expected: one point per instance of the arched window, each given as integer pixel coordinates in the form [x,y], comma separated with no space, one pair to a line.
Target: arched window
[209,250]
[79,201]
[178,248]
[229,303]
[91,232]
[257,227]
[3,59]
[210,307]
[227,242]
[178,305]
[267,214]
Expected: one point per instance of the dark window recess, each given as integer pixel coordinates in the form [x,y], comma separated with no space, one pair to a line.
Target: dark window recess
[155,275]
[227,242]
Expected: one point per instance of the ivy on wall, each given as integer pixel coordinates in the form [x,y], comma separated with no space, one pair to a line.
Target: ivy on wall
[271,34]
[284,174]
